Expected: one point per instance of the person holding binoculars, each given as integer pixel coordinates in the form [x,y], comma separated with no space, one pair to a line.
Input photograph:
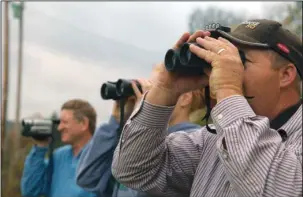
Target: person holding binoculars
[253,148]
[55,176]
[94,170]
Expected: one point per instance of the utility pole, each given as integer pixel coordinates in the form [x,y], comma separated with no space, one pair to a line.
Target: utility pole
[19,78]
[5,80]
[18,14]
[5,76]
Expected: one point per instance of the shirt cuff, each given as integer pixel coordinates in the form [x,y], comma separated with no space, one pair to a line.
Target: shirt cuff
[229,110]
[113,121]
[37,150]
[150,115]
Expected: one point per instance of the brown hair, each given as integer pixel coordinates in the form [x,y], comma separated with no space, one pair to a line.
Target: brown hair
[81,109]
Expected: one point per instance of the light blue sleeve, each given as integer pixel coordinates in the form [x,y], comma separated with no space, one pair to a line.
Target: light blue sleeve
[34,181]
[94,167]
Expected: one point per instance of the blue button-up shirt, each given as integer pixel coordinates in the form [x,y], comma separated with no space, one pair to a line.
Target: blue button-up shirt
[35,181]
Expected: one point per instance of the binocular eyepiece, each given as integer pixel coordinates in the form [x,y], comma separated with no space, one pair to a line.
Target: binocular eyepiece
[185,62]
[122,88]
[108,91]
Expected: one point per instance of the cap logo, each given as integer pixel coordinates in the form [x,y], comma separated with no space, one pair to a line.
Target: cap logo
[283,48]
[250,24]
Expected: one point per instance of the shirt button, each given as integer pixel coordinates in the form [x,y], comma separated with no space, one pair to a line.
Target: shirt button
[220,116]
[224,155]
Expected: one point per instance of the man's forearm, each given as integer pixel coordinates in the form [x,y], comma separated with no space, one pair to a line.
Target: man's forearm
[141,147]
[223,94]
[94,168]
[161,97]
[33,182]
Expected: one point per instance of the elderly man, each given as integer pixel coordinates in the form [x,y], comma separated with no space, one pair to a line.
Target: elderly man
[257,150]
[77,125]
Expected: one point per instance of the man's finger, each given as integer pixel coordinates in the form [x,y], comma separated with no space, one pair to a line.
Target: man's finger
[209,38]
[145,84]
[207,44]
[207,55]
[223,40]
[220,43]
[198,34]
[132,98]
[182,40]
[212,44]
[207,71]
[136,89]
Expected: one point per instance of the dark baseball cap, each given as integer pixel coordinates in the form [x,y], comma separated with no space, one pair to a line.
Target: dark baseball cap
[268,34]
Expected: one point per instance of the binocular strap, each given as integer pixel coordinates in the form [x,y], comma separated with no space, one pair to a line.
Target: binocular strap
[208,110]
[122,102]
[50,163]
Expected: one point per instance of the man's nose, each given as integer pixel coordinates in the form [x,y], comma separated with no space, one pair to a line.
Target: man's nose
[60,127]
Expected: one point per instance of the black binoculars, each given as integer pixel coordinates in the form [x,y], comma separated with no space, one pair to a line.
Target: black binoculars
[185,62]
[122,88]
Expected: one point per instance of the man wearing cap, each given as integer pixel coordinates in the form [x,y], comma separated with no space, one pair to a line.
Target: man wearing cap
[257,148]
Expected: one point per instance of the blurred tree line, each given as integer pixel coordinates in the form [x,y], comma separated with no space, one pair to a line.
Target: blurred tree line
[199,18]
[289,14]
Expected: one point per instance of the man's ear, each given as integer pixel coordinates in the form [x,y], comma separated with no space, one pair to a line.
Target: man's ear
[85,124]
[288,75]
[186,99]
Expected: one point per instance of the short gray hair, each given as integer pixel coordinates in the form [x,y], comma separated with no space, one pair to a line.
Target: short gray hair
[279,61]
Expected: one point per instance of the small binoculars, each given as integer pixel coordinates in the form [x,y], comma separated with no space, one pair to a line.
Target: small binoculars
[122,88]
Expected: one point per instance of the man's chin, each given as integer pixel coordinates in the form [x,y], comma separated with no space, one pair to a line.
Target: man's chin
[65,140]
[249,99]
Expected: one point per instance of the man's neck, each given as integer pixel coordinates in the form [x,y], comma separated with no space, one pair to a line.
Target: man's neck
[77,147]
[285,102]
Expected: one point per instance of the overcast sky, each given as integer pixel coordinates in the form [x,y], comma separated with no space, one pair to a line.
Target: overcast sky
[71,48]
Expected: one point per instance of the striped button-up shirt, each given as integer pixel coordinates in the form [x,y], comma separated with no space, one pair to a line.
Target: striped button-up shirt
[245,158]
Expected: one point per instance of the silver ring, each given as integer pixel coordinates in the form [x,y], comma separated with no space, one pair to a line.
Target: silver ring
[220,51]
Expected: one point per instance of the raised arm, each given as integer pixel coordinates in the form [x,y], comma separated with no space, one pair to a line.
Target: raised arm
[34,181]
[94,168]
[149,160]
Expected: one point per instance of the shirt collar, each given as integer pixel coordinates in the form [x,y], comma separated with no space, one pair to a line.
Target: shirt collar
[289,120]
[183,126]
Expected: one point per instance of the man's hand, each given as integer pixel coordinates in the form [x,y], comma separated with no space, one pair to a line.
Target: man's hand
[42,142]
[226,76]
[145,85]
[128,108]
[169,86]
